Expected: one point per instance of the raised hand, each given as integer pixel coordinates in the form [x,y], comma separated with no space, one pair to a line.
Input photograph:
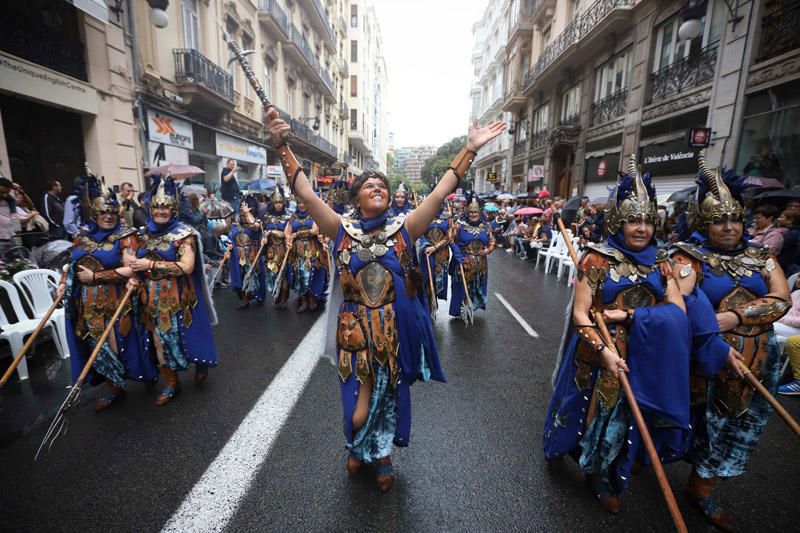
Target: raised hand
[278,130]
[480,136]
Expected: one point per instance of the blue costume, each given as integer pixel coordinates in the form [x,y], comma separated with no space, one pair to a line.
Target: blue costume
[470,239]
[308,263]
[274,227]
[89,306]
[438,236]
[588,416]
[176,307]
[384,333]
[246,237]
[397,210]
[727,415]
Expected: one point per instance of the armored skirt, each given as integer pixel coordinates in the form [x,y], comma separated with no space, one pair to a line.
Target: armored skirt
[727,415]
[384,334]
[468,241]
[88,307]
[246,243]
[176,309]
[308,263]
[588,416]
[437,235]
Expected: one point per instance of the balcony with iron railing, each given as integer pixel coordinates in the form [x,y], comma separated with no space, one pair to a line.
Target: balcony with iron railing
[303,132]
[322,20]
[684,74]
[304,50]
[344,67]
[270,13]
[610,107]
[539,138]
[521,147]
[575,32]
[779,31]
[570,121]
[200,78]
[344,110]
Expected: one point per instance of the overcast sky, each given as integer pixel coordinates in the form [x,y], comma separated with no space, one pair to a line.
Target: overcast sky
[428,49]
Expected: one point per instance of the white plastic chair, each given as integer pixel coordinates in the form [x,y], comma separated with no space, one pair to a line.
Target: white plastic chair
[35,287]
[563,257]
[556,251]
[546,254]
[16,332]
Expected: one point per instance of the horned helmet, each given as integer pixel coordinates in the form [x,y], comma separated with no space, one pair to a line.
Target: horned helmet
[633,199]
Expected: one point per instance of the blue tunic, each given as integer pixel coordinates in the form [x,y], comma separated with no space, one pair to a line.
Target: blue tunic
[242,260]
[276,248]
[658,350]
[438,260]
[469,240]
[88,307]
[307,268]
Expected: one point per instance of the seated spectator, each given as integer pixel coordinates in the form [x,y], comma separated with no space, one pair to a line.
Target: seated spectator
[766,232]
[789,257]
[499,225]
[789,327]
[8,213]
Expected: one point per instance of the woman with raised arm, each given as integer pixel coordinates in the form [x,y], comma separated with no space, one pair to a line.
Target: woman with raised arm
[473,240]
[741,292]
[93,286]
[307,264]
[246,238]
[384,336]
[176,309]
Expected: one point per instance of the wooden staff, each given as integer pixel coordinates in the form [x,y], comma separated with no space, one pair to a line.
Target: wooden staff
[29,342]
[255,262]
[770,398]
[219,268]
[434,304]
[416,200]
[59,422]
[466,292]
[276,290]
[677,518]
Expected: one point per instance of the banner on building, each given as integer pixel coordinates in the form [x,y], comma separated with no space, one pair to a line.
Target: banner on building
[536,173]
[170,130]
[240,150]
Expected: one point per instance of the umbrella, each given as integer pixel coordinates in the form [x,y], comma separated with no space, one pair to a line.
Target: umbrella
[784,194]
[763,183]
[527,211]
[188,190]
[457,197]
[570,209]
[523,195]
[683,195]
[544,193]
[260,185]
[176,170]
[216,208]
[505,196]
[491,208]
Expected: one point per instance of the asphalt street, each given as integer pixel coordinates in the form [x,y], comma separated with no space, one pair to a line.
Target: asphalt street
[475,461]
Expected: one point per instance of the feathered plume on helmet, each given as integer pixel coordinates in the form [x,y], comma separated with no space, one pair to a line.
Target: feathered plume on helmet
[164,193]
[715,199]
[633,199]
[473,204]
[96,198]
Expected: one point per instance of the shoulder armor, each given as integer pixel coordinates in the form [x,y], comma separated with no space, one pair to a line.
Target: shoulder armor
[181,231]
[393,225]
[661,255]
[606,250]
[689,249]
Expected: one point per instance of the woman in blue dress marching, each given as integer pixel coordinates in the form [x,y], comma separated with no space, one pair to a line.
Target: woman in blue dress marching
[307,264]
[176,309]
[630,281]
[436,253]
[473,240]
[93,287]
[741,292]
[384,335]
[275,249]
[246,242]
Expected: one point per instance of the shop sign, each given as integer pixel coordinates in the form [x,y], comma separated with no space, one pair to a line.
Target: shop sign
[671,158]
[491,176]
[274,171]
[699,137]
[169,130]
[240,150]
[536,173]
[602,167]
[39,83]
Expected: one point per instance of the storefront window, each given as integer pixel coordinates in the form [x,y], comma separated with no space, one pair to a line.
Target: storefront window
[770,139]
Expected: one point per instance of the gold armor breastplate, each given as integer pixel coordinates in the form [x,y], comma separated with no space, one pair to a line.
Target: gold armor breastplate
[435,236]
[474,247]
[243,239]
[633,297]
[372,286]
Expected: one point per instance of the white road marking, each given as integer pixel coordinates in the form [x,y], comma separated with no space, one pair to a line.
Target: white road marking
[527,327]
[216,497]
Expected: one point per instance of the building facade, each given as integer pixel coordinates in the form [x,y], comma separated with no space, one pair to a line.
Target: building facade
[66,90]
[409,161]
[488,62]
[590,82]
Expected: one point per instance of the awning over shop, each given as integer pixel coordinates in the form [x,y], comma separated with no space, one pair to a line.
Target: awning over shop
[94,8]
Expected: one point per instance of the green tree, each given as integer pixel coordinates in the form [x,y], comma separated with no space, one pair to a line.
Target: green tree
[435,166]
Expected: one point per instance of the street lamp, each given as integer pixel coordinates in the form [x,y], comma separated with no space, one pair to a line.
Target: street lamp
[315,125]
[694,10]
[158,13]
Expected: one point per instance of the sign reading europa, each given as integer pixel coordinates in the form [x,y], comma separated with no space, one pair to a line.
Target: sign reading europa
[169,130]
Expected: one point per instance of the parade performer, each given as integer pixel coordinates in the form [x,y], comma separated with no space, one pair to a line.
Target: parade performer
[630,281]
[400,205]
[176,309]
[307,266]
[473,240]
[276,249]
[338,199]
[384,336]
[248,278]
[436,252]
[743,284]
[93,287]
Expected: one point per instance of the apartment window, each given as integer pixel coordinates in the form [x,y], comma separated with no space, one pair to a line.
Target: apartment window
[540,118]
[354,85]
[614,75]
[354,15]
[353,119]
[571,102]
[546,34]
[233,68]
[247,44]
[525,66]
[268,82]
[575,9]
[669,46]
[354,51]
[290,99]
[191,25]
